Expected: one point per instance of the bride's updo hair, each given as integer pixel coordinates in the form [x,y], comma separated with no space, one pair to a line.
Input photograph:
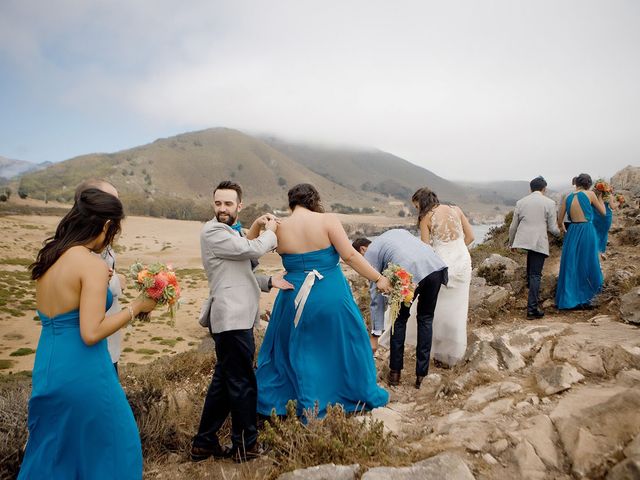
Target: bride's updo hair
[85,221]
[305,195]
[426,200]
[584,180]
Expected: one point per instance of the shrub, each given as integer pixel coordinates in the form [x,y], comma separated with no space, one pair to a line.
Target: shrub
[493,274]
[165,422]
[21,352]
[14,397]
[337,438]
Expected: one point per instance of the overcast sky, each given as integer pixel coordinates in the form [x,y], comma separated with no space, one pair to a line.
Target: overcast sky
[472,90]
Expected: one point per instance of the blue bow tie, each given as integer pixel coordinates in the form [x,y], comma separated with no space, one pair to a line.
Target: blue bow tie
[237,227]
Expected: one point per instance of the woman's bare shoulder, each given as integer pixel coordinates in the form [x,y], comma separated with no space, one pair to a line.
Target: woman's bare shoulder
[85,259]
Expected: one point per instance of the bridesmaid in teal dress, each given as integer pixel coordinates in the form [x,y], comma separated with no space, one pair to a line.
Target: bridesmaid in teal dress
[602,224]
[580,277]
[80,424]
[316,349]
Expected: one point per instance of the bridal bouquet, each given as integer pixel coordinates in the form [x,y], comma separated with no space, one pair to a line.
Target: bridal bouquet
[403,288]
[159,282]
[604,188]
[620,199]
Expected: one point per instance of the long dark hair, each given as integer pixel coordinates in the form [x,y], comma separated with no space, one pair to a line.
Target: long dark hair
[427,200]
[305,195]
[84,222]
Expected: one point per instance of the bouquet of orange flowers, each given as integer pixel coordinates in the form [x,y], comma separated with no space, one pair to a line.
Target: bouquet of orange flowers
[604,188]
[620,199]
[403,289]
[158,282]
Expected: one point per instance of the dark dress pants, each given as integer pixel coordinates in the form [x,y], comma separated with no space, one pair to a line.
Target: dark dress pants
[233,389]
[428,289]
[535,262]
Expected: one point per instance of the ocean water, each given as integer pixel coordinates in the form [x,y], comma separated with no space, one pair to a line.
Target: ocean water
[480,232]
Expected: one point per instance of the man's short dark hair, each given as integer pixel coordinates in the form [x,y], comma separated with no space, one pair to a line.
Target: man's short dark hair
[538,184]
[360,242]
[229,185]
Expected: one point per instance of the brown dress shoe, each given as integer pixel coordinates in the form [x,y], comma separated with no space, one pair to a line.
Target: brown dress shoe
[394,378]
[216,451]
[251,453]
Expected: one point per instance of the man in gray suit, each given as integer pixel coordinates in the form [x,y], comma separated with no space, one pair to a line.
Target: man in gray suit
[230,313]
[429,272]
[533,216]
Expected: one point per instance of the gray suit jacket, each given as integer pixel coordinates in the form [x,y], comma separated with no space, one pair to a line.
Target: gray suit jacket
[533,216]
[401,247]
[234,290]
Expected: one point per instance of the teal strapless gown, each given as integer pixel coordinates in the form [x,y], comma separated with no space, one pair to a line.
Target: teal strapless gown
[602,224]
[80,423]
[327,358]
[580,277]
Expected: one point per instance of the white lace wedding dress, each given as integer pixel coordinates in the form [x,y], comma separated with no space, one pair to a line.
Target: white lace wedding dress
[450,318]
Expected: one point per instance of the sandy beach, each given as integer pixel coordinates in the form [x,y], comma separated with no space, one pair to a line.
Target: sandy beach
[143,238]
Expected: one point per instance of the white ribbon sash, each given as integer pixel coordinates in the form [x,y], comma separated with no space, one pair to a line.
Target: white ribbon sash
[303,294]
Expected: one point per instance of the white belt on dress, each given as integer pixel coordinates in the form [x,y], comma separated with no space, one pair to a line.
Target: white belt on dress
[303,294]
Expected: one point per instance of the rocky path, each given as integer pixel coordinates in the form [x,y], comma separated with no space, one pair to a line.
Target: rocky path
[552,399]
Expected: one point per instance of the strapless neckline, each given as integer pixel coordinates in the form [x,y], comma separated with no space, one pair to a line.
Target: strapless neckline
[309,252]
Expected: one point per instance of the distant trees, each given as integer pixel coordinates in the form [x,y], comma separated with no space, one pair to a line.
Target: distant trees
[340,208]
[167,207]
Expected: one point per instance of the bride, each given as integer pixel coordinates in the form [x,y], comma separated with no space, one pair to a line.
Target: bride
[449,232]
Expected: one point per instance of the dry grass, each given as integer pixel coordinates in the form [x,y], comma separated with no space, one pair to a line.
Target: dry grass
[337,438]
[166,397]
[14,397]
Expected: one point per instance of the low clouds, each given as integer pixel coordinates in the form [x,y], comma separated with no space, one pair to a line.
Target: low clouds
[470,90]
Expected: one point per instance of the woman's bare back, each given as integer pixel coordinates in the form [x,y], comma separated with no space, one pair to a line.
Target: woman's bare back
[58,290]
[304,231]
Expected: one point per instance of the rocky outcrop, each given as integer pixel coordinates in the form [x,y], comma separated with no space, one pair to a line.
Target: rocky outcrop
[627,179]
[499,270]
[592,422]
[557,378]
[323,472]
[630,306]
[445,466]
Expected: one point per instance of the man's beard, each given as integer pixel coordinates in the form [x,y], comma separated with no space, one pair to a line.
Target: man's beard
[229,219]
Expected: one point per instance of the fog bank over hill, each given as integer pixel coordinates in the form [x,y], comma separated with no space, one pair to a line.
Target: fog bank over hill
[174,176]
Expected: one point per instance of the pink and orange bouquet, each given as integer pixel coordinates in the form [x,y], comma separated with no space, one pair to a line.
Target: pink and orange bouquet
[159,282]
[603,188]
[403,289]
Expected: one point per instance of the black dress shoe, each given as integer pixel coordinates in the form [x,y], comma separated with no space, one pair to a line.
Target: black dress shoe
[532,314]
[242,455]
[394,378]
[419,379]
[202,453]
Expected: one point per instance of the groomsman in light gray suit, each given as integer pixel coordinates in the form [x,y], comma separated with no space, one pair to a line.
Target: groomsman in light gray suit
[230,313]
[533,216]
